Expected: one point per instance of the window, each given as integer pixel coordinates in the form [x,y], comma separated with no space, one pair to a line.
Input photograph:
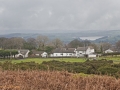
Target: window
[61,54]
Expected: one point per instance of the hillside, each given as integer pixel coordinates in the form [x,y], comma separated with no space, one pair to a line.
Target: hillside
[108,36]
[110,39]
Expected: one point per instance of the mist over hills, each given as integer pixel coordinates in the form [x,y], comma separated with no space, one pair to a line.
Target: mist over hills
[110,36]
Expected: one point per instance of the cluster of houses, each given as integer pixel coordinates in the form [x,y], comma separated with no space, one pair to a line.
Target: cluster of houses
[60,52]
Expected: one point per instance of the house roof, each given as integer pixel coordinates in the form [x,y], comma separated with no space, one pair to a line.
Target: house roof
[108,50]
[70,50]
[64,50]
[81,49]
[59,50]
[37,52]
[22,51]
[84,48]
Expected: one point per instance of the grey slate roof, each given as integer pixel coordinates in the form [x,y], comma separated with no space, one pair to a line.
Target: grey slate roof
[70,50]
[23,51]
[64,50]
[37,52]
[83,48]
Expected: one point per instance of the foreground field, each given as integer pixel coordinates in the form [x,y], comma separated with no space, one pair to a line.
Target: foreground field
[46,80]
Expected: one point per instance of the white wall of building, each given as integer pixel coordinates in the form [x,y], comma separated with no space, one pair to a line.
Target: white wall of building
[62,55]
[44,54]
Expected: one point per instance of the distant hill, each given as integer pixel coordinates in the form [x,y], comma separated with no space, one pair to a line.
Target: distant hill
[108,36]
[23,35]
[110,39]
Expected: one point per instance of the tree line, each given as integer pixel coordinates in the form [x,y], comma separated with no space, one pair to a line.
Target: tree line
[8,54]
[40,42]
[45,44]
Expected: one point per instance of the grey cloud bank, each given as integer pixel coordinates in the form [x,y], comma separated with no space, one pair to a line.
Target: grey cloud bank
[52,15]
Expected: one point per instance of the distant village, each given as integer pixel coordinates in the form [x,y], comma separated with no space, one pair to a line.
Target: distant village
[42,47]
[61,52]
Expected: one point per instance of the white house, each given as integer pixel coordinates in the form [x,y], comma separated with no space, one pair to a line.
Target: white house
[109,51]
[44,54]
[73,52]
[63,52]
[39,53]
[82,51]
[91,55]
[22,53]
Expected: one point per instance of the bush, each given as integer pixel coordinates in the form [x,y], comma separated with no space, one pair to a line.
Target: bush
[108,70]
[88,67]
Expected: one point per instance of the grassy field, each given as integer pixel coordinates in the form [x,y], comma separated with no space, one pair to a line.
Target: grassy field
[115,59]
[40,60]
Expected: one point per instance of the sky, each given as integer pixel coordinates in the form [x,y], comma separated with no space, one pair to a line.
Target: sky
[34,16]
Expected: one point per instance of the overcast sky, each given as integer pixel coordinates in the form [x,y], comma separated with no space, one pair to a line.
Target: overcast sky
[58,15]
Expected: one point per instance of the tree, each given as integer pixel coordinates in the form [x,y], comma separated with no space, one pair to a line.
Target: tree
[41,42]
[13,52]
[118,45]
[75,43]
[105,46]
[30,44]
[95,47]
[2,42]
[49,49]
[4,54]
[86,43]
[57,43]
[14,43]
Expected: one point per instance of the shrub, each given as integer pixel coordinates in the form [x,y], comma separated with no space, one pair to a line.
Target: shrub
[108,70]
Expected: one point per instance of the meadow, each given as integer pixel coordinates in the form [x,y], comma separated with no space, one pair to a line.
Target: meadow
[40,60]
[115,59]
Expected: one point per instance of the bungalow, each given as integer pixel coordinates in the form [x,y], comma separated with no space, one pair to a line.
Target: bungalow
[63,52]
[73,52]
[39,53]
[109,51]
[22,53]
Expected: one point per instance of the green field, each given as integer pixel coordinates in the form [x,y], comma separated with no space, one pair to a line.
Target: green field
[116,59]
[40,60]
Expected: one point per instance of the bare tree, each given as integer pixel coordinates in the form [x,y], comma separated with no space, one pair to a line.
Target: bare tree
[30,44]
[2,42]
[57,43]
[95,46]
[118,45]
[106,45]
[14,43]
[41,41]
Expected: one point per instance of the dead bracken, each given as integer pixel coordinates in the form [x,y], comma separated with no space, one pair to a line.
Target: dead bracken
[55,80]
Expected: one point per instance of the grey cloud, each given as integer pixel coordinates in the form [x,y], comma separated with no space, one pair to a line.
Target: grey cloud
[54,15]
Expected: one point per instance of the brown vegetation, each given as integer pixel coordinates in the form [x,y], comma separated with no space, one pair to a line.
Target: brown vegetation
[47,80]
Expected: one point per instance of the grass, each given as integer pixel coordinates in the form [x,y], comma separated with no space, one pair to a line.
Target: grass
[116,59]
[40,60]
